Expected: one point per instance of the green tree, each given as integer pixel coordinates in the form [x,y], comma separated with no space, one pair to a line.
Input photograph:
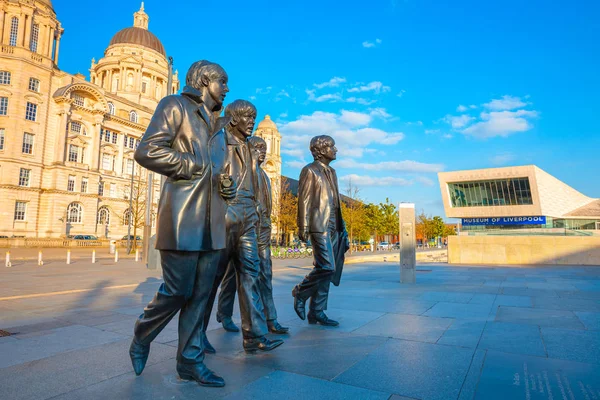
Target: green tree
[389,214]
[353,213]
[373,219]
[287,212]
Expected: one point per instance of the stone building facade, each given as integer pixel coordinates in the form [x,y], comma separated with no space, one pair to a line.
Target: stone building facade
[66,144]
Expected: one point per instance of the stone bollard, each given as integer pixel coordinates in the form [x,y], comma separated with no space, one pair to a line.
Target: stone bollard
[137,255]
[69,256]
[94,256]
[40,259]
[116,254]
[408,243]
[8,263]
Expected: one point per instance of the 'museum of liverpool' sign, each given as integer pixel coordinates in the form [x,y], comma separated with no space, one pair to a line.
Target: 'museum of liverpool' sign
[504,221]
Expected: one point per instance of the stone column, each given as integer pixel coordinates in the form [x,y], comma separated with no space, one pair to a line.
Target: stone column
[27,36]
[59,151]
[408,243]
[57,51]
[95,164]
[50,42]
[2,23]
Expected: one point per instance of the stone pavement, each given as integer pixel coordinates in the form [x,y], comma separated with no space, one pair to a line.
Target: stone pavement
[459,333]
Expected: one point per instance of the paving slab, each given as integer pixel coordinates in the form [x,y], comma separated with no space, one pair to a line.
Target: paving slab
[512,338]
[309,351]
[452,297]
[566,304]
[350,320]
[514,376]
[420,370]
[467,391]
[409,327]
[53,342]
[541,317]
[513,301]
[457,310]
[64,372]
[384,305]
[464,333]
[573,345]
[160,381]
[282,385]
[591,320]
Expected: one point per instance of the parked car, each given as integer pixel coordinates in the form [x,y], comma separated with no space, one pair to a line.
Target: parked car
[383,246]
[84,237]
[138,238]
[396,246]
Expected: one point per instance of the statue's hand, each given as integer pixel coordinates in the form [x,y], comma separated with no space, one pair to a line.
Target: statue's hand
[228,191]
[303,234]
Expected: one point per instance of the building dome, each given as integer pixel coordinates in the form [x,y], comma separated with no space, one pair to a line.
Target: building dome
[138,36]
[267,123]
[46,2]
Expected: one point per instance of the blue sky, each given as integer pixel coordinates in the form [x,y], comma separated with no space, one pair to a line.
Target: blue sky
[407,88]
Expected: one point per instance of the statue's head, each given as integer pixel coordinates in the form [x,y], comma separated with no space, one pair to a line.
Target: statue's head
[323,148]
[243,117]
[259,145]
[210,79]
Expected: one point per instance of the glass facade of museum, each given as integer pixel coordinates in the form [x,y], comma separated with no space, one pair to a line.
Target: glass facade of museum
[497,192]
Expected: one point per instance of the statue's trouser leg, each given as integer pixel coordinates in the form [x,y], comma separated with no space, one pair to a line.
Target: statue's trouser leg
[316,284]
[227,293]
[265,279]
[247,264]
[188,279]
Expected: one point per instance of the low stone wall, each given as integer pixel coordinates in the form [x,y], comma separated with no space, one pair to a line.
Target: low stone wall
[422,256]
[507,250]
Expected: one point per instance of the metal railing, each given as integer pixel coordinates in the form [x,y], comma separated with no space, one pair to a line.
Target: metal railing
[8,243]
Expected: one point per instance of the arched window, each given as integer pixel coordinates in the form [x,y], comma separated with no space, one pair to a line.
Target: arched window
[111,108]
[127,217]
[74,213]
[14,31]
[103,217]
[133,117]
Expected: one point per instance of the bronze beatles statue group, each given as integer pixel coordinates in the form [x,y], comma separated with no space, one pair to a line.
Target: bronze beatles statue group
[214,225]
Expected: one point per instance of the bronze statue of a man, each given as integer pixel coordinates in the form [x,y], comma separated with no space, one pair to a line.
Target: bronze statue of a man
[241,226]
[186,143]
[320,220]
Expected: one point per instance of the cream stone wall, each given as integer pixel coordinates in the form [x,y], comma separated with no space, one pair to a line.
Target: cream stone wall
[524,250]
[46,194]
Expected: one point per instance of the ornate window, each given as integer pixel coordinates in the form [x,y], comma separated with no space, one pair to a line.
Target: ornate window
[100,188]
[84,185]
[24,175]
[129,166]
[107,161]
[1,138]
[144,87]
[111,108]
[28,139]
[78,99]
[34,85]
[31,111]
[103,217]
[3,105]
[20,210]
[74,152]
[71,183]
[76,127]
[35,33]
[14,31]
[74,213]
[133,117]
[127,217]
[113,190]
[5,78]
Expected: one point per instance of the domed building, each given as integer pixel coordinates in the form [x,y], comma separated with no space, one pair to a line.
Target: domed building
[66,143]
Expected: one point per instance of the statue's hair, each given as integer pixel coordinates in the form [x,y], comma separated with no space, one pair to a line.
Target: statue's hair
[203,68]
[319,143]
[256,141]
[240,108]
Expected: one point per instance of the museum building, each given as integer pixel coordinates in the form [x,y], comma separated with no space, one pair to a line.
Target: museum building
[517,198]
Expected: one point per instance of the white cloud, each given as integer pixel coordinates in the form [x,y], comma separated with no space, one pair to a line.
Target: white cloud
[266,90]
[283,115]
[333,82]
[350,130]
[364,180]
[331,97]
[360,100]
[431,131]
[374,86]
[397,166]
[252,97]
[352,118]
[298,153]
[378,41]
[462,108]
[282,93]
[501,123]
[369,44]
[459,121]
[401,93]
[447,136]
[296,163]
[505,103]
[502,159]
[380,112]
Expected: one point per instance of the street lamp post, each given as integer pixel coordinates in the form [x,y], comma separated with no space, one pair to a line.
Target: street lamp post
[130,209]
